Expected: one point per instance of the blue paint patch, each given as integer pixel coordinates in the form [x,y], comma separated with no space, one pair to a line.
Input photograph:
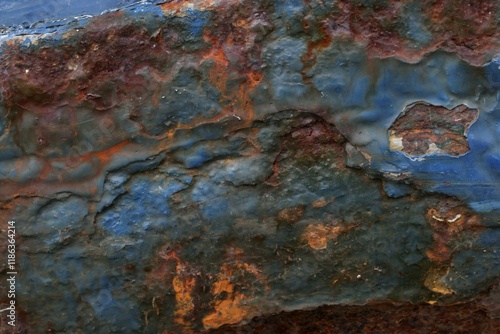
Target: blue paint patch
[204,152]
[197,158]
[288,7]
[243,171]
[359,91]
[440,79]
[481,268]
[144,207]
[396,190]
[215,208]
[490,239]
[205,190]
[341,77]
[461,77]
[56,223]
[285,66]
[197,21]
[493,161]
[119,315]
[492,71]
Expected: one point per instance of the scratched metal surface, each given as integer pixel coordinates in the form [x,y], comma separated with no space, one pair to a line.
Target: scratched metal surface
[192,165]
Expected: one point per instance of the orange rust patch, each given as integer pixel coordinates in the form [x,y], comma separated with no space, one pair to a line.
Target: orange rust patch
[321,202]
[222,70]
[228,311]
[317,235]
[183,287]
[231,304]
[183,284]
[182,280]
[290,215]
[216,53]
[235,53]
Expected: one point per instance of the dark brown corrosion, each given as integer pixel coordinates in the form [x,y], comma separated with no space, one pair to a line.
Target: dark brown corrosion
[426,129]
[52,93]
[310,140]
[468,28]
[375,318]
[80,101]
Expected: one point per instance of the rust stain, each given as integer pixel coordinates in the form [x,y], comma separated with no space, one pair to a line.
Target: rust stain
[290,215]
[367,25]
[173,273]
[436,280]
[450,222]
[229,305]
[228,312]
[424,129]
[317,235]
[228,301]
[183,287]
[236,59]
[64,103]
[183,284]
[233,293]
[79,70]
[313,47]
[466,28]
[179,7]
[375,317]
[321,202]
[310,140]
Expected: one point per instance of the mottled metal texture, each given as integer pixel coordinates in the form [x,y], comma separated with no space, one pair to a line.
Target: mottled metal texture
[189,165]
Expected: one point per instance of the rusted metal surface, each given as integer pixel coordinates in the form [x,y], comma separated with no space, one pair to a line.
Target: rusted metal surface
[191,165]
[376,318]
[424,130]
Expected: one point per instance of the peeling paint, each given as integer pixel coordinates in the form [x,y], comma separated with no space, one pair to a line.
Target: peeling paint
[427,130]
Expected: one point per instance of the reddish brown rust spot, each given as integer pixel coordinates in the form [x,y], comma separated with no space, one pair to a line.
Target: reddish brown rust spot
[451,224]
[318,235]
[310,140]
[290,215]
[449,219]
[64,100]
[98,69]
[467,28]
[426,129]
[313,47]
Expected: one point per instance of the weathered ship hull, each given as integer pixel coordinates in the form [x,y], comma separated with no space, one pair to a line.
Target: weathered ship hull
[190,165]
